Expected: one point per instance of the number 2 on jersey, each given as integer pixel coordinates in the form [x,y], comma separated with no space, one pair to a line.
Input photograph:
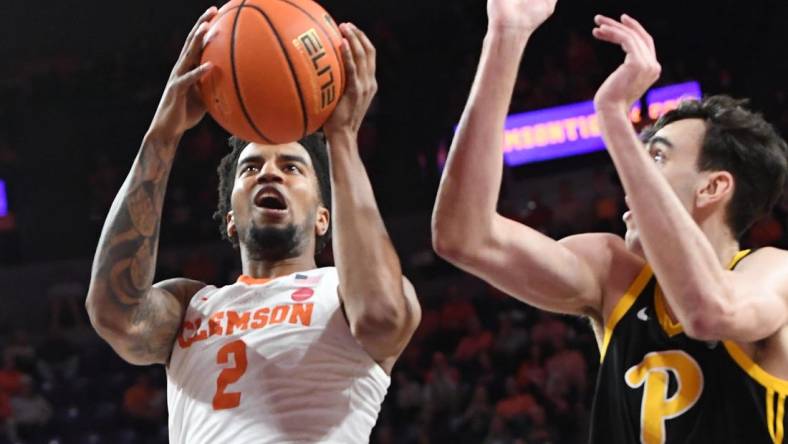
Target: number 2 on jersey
[222,399]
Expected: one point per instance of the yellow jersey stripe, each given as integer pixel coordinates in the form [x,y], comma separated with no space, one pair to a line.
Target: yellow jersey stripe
[754,370]
[668,326]
[622,307]
[739,256]
[770,414]
[780,419]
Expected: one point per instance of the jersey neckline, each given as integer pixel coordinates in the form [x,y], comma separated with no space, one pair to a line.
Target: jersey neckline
[248,280]
[629,298]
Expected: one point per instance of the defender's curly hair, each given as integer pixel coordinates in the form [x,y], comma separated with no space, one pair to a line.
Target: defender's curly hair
[314,144]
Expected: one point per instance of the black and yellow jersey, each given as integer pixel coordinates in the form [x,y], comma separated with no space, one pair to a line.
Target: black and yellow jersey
[656,385]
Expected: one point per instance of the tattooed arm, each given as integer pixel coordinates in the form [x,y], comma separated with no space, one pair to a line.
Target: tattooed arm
[138,319]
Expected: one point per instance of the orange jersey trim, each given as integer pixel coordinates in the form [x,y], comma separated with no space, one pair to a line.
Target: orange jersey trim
[248,280]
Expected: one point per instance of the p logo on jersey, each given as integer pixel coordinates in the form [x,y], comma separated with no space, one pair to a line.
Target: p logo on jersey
[653,374]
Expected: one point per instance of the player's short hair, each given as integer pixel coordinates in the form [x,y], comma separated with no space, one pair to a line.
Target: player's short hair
[314,144]
[742,143]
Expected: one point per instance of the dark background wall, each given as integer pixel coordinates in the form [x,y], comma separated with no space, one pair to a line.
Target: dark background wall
[81,81]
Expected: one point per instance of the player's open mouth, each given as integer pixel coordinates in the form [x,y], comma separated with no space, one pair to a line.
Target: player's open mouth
[270,199]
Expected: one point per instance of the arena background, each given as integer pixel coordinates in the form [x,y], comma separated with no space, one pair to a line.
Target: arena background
[79,84]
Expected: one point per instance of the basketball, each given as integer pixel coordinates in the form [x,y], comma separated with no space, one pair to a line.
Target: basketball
[278,71]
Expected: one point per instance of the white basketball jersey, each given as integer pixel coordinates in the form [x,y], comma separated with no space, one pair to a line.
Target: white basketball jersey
[271,362]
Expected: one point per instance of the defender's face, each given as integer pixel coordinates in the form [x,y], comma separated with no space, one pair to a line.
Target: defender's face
[275,186]
[675,150]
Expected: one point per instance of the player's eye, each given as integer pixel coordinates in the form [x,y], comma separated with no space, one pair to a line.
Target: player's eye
[250,168]
[658,156]
[292,168]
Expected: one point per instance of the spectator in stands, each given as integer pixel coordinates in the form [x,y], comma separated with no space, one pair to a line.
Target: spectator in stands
[6,417]
[547,330]
[10,377]
[510,339]
[66,305]
[58,359]
[518,406]
[476,341]
[144,404]
[31,412]
[440,394]
[21,351]
[408,396]
[499,433]
[473,425]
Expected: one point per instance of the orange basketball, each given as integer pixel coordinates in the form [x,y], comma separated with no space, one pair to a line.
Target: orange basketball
[278,71]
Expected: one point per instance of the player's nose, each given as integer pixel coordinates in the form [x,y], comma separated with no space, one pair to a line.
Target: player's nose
[270,173]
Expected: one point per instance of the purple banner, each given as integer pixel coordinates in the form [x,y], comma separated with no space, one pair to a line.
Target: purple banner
[572,130]
[666,98]
[3,200]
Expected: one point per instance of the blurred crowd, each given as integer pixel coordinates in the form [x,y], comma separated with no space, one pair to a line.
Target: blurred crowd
[482,368]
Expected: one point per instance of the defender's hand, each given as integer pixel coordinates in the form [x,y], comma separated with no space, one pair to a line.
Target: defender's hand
[180,107]
[640,68]
[358,55]
[522,16]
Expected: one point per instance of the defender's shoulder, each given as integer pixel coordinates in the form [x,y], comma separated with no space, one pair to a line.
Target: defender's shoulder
[765,258]
[598,248]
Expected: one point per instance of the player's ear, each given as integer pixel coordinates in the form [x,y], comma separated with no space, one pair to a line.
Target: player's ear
[322,221]
[232,231]
[718,188]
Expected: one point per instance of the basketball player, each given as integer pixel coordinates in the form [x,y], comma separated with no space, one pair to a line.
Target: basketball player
[692,331]
[290,353]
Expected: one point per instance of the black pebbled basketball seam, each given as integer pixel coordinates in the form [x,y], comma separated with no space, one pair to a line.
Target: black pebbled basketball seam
[289,64]
[328,36]
[293,75]
[235,76]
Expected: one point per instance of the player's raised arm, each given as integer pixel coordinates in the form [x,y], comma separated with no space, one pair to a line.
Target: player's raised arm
[710,301]
[380,304]
[466,228]
[138,319]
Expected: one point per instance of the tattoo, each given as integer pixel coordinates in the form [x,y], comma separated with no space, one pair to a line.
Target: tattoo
[163,322]
[125,261]
[144,216]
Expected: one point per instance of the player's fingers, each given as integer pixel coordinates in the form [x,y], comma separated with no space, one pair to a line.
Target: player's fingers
[191,57]
[640,30]
[639,46]
[626,38]
[613,35]
[351,70]
[637,54]
[192,76]
[369,48]
[357,49]
[604,20]
[600,20]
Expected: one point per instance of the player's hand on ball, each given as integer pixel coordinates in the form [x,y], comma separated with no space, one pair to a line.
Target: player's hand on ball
[358,55]
[640,68]
[180,107]
[521,16]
